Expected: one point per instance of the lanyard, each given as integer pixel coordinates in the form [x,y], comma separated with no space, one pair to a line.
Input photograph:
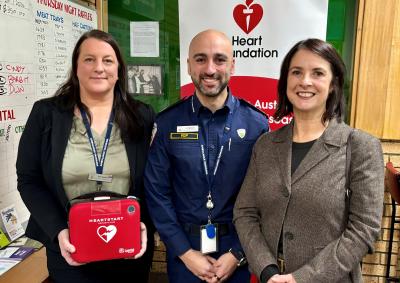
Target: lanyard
[224,139]
[99,163]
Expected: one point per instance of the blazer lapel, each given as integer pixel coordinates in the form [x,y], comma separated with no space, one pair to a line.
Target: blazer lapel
[61,128]
[317,153]
[282,154]
[331,139]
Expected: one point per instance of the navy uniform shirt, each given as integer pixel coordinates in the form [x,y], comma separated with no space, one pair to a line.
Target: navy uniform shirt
[175,181]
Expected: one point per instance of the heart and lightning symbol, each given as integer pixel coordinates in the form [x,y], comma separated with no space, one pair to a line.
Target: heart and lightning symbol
[106,233]
[248,16]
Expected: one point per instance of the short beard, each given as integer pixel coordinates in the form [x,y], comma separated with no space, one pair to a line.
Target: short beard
[207,93]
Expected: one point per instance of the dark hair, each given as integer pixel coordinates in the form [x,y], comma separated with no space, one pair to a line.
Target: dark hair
[125,107]
[335,103]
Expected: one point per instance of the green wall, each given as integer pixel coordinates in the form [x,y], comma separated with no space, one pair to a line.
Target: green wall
[341,34]
[166,13]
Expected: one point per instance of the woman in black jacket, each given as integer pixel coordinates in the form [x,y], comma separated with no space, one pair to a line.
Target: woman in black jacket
[55,158]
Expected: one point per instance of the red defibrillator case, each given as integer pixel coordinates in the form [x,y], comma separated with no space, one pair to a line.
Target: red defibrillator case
[105,228]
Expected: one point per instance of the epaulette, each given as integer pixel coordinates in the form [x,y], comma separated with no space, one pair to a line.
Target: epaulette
[172,106]
[252,106]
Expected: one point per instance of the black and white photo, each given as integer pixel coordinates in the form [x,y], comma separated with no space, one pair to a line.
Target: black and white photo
[145,79]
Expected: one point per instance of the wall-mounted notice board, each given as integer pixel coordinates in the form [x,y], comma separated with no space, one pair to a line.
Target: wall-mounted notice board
[36,42]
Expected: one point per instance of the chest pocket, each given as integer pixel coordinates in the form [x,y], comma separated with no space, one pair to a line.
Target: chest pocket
[234,163]
[184,152]
[187,170]
[238,143]
[239,152]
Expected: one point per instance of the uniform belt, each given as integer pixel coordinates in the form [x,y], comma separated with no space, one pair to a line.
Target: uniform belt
[194,229]
[281,265]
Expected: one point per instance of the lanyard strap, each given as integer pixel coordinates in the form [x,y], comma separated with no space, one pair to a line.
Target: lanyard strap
[99,163]
[225,137]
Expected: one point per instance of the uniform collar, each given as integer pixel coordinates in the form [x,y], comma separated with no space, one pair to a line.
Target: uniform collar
[229,103]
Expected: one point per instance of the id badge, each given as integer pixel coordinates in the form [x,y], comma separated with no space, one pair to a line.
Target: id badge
[100,177]
[208,239]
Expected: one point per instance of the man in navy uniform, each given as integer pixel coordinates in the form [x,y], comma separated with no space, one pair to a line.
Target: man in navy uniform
[197,162]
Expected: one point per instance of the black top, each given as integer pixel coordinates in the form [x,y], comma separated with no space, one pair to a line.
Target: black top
[299,151]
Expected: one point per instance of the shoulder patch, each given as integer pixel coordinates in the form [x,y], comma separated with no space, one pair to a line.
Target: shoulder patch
[172,106]
[246,103]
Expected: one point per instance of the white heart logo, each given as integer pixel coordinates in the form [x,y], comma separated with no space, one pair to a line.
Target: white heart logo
[106,233]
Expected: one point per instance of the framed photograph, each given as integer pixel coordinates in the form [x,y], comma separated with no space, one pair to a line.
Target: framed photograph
[145,80]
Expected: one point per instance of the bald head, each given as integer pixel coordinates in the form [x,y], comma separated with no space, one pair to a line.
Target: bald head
[210,36]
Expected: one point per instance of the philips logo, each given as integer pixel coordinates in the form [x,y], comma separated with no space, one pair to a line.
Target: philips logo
[126,251]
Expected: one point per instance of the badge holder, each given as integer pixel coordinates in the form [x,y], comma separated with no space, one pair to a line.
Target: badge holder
[209,239]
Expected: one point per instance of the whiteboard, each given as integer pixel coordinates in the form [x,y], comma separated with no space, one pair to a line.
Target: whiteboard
[36,43]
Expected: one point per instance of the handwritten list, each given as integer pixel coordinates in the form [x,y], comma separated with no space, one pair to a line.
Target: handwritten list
[35,58]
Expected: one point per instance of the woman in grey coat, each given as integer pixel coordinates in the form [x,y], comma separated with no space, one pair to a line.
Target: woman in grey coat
[298,216]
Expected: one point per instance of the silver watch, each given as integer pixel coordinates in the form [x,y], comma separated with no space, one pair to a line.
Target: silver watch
[239,256]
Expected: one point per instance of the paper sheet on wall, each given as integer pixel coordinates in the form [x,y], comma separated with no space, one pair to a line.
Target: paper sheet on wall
[145,39]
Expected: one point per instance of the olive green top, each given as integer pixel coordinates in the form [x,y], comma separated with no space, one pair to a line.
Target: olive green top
[78,162]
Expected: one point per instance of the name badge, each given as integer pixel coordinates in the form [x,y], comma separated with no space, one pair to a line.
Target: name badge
[209,239]
[184,136]
[186,129]
[100,178]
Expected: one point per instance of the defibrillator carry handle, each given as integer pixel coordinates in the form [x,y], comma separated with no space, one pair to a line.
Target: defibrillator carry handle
[100,196]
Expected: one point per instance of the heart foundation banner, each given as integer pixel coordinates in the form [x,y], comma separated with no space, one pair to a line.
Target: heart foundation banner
[261,32]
